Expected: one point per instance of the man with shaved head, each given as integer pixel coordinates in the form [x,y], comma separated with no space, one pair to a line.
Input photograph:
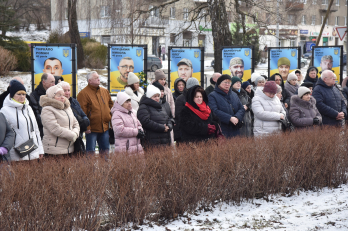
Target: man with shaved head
[5,93]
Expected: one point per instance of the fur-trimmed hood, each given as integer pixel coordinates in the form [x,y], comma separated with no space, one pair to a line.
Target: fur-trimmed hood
[296,100]
[46,101]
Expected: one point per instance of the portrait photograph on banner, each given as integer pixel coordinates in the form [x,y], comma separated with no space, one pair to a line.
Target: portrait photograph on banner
[185,62]
[56,59]
[238,61]
[328,58]
[283,60]
[122,60]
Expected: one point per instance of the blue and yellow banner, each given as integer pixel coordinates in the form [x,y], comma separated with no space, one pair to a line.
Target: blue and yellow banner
[185,63]
[327,58]
[237,61]
[283,61]
[122,60]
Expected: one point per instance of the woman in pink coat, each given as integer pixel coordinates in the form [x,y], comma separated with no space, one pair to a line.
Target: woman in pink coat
[127,128]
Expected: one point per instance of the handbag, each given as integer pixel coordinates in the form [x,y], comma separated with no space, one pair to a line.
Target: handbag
[79,146]
[219,136]
[25,148]
[286,125]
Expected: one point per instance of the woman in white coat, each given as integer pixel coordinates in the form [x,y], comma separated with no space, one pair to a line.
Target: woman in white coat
[267,110]
[134,91]
[22,120]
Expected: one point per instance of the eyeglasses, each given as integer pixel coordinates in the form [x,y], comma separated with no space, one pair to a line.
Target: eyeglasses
[131,68]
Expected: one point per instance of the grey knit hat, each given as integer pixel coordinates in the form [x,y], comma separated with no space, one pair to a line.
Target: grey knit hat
[302,91]
[191,82]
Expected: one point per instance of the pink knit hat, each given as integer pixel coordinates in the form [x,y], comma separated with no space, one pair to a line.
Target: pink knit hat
[270,87]
[122,97]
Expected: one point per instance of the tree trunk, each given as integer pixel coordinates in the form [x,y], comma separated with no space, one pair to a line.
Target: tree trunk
[74,32]
[221,30]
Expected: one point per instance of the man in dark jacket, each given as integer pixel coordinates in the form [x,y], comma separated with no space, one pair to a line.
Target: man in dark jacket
[7,92]
[47,81]
[213,80]
[329,100]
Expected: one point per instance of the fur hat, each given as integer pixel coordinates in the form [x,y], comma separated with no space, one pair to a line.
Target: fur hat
[16,86]
[292,76]
[122,97]
[235,79]
[302,91]
[254,76]
[222,78]
[52,91]
[159,74]
[283,61]
[158,85]
[152,90]
[270,87]
[132,78]
[245,84]
[191,82]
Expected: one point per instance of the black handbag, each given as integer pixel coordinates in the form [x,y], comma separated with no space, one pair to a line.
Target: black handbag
[25,148]
[286,125]
[79,146]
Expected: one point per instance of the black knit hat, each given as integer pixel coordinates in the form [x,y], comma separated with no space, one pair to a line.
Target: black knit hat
[16,86]
[307,84]
[222,78]
[158,85]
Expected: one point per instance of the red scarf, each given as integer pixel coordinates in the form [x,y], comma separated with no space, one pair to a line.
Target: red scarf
[203,112]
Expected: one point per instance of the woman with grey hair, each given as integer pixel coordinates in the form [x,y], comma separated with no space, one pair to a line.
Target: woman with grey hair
[259,82]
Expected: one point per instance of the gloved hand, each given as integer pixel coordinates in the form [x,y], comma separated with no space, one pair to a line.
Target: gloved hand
[211,129]
[3,151]
[170,125]
[316,121]
[141,134]
[75,137]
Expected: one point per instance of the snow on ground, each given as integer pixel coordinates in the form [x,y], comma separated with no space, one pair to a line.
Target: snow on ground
[326,209]
[30,35]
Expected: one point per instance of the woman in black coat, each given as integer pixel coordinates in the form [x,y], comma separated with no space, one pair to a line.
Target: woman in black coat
[197,121]
[154,119]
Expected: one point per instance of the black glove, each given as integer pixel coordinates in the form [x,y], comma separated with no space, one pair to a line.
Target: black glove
[316,121]
[141,134]
[170,126]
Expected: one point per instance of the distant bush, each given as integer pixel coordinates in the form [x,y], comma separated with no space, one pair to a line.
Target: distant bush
[57,37]
[8,61]
[84,41]
[95,55]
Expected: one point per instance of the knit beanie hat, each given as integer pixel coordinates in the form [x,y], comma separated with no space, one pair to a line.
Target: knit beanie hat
[158,85]
[235,79]
[132,78]
[152,90]
[52,91]
[270,87]
[122,97]
[307,84]
[159,74]
[191,82]
[302,91]
[16,86]
[283,61]
[259,79]
[222,78]
[254,76]
[292,76]
[245,84]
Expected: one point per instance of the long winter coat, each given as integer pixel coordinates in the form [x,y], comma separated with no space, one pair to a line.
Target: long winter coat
[60,126]
[35,105]
[179,106]
[22,120]
[78,112]
[135,98]
[126,125]
[329,102]
[302,112]
[153,117]
[7,136]
[226,106]
[266,113]
[170,99]
[247,129]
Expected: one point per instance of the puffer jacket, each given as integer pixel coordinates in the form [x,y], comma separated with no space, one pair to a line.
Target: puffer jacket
[135,98]
[78,113]
[35,105]
[179,106]
[224,107]
[153,117]
[7,136]
[60,126]
[126,125]
[247,129]
[22,120]
[329,102]
[302,112]
[96,104]
[266,113]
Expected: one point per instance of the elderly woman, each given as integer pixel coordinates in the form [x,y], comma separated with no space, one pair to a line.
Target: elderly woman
[311,76]
[126,126]
[278,79]
[198,122]
[60,126]
[291,85]
[7,138]
[21,118]
[267,110]
[298,73]
[179,87]
[259,82]
[248,89]
[227,106]
[134,90]
[303,112]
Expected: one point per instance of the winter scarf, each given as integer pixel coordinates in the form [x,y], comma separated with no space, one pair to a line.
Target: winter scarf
[291,88]
[203,112]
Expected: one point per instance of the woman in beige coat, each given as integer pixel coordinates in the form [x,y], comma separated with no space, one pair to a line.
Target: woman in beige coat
[60,126]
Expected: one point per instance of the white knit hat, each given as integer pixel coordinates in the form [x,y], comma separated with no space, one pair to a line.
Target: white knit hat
[151,91]
[254,76]
[292,76]
[132,78]
[122,97]
[52,91]
[302,91]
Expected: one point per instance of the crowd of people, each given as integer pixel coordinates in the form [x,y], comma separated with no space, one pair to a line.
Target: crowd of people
[50,123]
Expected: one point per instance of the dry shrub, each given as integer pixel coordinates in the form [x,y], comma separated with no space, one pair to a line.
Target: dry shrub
[8,61]
[94,194]
[95,55]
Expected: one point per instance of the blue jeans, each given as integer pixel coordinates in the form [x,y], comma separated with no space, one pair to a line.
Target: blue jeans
[101,138]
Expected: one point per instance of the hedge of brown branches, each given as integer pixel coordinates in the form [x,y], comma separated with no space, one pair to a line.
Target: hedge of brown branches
[94,194]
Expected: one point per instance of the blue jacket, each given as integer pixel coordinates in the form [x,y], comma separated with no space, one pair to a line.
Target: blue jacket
[221,104]
[84,121]
[329,102]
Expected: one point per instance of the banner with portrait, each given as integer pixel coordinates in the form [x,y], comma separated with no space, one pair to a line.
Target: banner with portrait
[238,61]
[55,59]
[328,58]
[283,60]
[123,59]
[185,62]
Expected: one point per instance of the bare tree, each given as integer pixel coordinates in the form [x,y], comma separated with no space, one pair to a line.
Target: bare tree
[74,31]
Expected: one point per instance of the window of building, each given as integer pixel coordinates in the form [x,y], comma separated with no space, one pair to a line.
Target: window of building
[201,40]
[105,39]
[314,2]
[153,12]
[172,12]
[291,18]
[324,2]
[104,11]
[345,21]
[337,21]
[268,18]
[292,43]
[172,39]
[186,14]
[337,2]
[313,20]
[303,21]
[66,15]
[304,1]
